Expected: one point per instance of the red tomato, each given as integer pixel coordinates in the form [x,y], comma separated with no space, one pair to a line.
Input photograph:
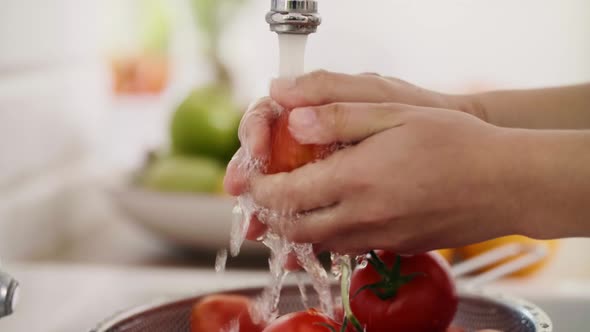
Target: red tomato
[286,153]
[304,321]
[216,313]
[339,314]
[427,302]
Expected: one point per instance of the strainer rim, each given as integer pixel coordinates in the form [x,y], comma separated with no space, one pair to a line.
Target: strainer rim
[537,316]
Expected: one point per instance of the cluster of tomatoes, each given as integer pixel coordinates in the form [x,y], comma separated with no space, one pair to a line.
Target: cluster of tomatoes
[390,293]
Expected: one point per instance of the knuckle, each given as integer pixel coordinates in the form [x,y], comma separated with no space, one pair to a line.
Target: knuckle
[384,87]
[316,84]
[371,74]
[358,181]
[339,117]
[289,192]
[263,190]
[298,231]
[248,120]
[320,76]
[297,235]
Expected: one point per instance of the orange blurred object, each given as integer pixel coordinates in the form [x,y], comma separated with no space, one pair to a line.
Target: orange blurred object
[448,254]
[220,312]
[140,74]
[470,251]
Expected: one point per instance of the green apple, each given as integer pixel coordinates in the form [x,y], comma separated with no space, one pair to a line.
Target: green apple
[175,173]
[206,124]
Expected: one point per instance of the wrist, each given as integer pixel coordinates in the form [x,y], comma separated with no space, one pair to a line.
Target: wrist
[546,178]
[468,103]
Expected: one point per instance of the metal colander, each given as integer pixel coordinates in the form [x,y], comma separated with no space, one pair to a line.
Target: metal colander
[477,310]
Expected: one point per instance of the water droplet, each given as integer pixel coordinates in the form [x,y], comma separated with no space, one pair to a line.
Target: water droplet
[360,259]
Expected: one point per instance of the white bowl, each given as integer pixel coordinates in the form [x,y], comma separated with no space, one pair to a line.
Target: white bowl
[193,221]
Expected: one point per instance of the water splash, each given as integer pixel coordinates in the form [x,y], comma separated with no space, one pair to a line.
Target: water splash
[267,304]
[239,226]
[320,279]
[336,267]
[301,284]
[221,261]
[265,308]
[233,326]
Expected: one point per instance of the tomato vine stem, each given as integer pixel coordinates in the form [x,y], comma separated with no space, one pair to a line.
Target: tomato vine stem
[345,294]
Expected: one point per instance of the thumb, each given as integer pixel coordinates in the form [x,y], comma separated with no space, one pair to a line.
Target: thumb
[343,122]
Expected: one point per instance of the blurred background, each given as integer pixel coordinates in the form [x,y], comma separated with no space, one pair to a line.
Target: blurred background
[117,117]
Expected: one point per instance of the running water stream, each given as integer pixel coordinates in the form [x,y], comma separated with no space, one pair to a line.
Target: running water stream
[291,64]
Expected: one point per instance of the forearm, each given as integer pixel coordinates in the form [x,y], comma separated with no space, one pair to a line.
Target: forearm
[551,181]
[550,108]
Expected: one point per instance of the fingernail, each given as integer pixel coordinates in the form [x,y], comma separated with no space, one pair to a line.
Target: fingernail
[304,125]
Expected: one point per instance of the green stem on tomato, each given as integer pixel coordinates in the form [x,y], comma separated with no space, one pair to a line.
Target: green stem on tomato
[345,294]
[328,326]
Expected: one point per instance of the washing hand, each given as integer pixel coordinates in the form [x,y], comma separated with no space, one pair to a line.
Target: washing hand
[419,176]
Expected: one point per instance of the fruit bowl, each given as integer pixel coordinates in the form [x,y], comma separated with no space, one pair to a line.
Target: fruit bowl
[477,311]
[189,220]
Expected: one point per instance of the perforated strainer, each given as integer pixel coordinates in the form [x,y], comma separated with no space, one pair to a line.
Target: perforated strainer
[477,310]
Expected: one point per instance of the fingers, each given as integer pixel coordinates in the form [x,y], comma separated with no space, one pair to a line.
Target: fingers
[362,240]
[311,186]
[354,237]
[235,181]
[322,87]
[254,132]
[320,225]
[343,122]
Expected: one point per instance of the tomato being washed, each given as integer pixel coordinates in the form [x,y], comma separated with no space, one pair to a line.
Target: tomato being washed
[403,293]
[286,153]
[310,320]
[217,313]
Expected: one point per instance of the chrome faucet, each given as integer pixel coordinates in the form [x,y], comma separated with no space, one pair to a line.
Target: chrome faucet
[8,294]
[293,16]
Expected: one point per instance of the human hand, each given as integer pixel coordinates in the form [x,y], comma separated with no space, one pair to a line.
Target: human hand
[320,88]
[416,179]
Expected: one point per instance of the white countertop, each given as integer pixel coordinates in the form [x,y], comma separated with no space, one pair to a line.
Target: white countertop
[74,298]
[58,297]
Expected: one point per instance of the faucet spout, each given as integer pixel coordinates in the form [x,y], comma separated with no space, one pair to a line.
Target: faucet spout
[293,16]
[8,294]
